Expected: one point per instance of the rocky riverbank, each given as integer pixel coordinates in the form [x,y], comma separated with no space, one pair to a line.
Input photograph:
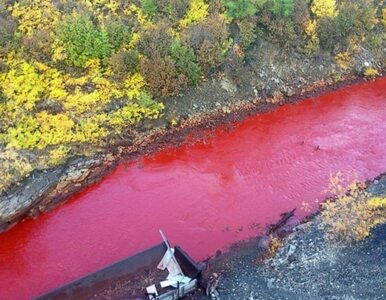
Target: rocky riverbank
[307,266]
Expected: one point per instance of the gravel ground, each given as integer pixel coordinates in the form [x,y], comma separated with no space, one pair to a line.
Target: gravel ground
[308,266]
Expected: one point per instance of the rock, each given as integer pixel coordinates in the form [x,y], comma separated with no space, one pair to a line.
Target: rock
[288,91]
[291,250]
[227,85]
[270,283]
[49,187]
[263,243]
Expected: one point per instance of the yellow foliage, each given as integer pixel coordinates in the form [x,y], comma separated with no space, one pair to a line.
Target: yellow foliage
[55,129]
[275,244]
[35,14]
[343,60]
[102,9]
[49,110]
[377,203]
[370,73]
[58,155]
[133,85]
[311,34]
[58,51]
[40,131]
[351,215]
[324,8]
[311,28]
[111,5]
[134,10]
[83,98]
[134,41]
[26,83]
[22,86]
[198,11]
[53,81]
[132,113]
[13,167]
[81,103]
[91,130]
[320,8]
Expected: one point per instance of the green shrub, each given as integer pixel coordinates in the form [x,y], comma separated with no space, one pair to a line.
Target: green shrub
[7,31]
[185,61]
[2,97]
[208,38]
[145,100]
[352,20]
[149,7]
[239,9]
[248,31]
[131,61]
[328,33]
[301,16]
[210,56]
[125,62]
[283,8]
[366,17]
[374,41]
[345,21]
[155,39]
[279,30]
[118,33]
[174,10]
[83,40]
[334,31]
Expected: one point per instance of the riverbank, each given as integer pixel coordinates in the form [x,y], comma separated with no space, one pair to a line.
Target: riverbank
[227,188]
[43,190]
[307,265]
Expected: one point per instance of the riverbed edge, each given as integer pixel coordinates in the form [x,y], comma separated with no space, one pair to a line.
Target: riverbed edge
[44,190]
[250,267]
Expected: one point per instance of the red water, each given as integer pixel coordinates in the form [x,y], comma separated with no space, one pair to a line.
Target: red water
[204,196]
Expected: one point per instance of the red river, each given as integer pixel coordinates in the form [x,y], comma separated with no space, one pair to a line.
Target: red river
[204,196]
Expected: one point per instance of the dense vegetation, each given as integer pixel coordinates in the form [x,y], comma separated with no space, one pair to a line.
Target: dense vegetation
[75,75]
[352,214]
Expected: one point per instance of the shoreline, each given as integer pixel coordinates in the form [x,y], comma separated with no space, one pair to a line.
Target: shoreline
[43,190]
[306,265]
